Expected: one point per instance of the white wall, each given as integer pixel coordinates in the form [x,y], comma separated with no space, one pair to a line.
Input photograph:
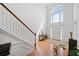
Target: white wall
[68,20]
[32,14]
[76,23]
[78,27]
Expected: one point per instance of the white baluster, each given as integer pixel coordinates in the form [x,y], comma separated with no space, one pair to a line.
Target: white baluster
[0,16]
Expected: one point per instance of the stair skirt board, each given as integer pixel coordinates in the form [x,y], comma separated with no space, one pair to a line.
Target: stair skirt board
[18,47]
[21,50]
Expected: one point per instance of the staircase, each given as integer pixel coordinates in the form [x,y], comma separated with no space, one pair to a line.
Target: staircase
[14,31]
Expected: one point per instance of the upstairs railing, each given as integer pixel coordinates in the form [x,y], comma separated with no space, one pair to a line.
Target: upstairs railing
[13,24]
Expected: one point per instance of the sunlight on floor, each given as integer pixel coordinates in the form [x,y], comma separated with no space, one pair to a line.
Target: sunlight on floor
[44,48]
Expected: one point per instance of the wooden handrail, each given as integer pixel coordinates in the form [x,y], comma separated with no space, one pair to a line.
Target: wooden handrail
[17,18]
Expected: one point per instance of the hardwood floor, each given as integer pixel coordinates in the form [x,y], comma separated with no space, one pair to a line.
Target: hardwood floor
[44,48]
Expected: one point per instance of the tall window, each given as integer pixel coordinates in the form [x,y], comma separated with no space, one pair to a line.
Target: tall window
[57,19]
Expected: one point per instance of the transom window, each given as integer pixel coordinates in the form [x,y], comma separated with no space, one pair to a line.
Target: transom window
[57,14]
